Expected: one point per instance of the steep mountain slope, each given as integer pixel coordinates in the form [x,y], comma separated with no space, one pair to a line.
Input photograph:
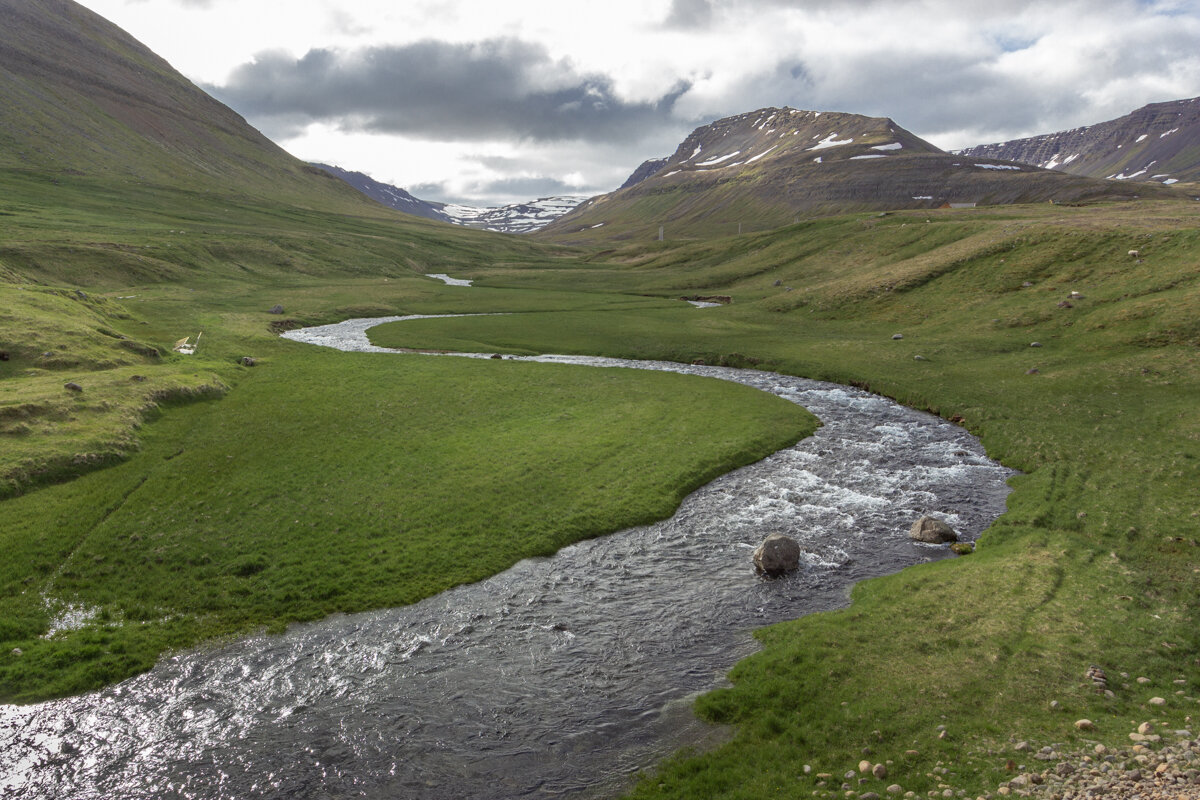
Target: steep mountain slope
[115,170]
[82,97]
[766,168]
[1159,142]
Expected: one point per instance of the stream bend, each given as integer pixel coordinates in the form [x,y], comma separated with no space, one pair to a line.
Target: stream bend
[557,678]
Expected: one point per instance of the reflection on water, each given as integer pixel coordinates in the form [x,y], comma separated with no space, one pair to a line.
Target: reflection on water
[559,677]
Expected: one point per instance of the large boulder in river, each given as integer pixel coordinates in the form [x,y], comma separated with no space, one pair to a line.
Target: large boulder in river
[932,531]
[776,555]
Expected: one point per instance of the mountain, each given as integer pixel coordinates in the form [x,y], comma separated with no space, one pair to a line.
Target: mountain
[515,218]
[115,170]
[388,195]
[1159,142]
[81,97]
[769,167]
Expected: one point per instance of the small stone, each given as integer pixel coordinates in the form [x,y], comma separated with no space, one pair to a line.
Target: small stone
[864,766]
[275,309]
[1021,747]
[248,361]
[1033,371]
[851,775]
[1084,725]
[1099,750]
[71,386]
[897,336]
[1146,727]
[1035,344]
[1157,701]
[895,788]
[911,753]
[879,771]
[1143,680]
[920,358]
[16,651]
[1055,705]
[962,548]
[1026,285]
[807,769]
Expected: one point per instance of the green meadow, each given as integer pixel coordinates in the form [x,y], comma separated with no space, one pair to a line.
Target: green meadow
[176,500]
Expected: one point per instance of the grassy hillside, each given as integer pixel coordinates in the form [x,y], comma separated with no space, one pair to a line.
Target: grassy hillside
[1097,560]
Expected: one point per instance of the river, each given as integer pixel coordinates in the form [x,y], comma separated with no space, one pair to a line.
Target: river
[560,677]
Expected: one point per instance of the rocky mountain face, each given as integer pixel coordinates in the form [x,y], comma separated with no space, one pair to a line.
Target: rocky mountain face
[515,218]
[772,166]
[1159,142]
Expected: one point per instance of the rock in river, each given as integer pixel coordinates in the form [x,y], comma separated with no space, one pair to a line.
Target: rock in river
[932,531]
[776,555]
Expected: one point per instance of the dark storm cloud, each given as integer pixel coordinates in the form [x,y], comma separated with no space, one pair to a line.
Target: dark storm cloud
[500,88]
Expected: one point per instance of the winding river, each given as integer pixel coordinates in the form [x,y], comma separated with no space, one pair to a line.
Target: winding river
[558,678]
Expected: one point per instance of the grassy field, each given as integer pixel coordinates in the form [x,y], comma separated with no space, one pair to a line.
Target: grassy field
[1096,561]
[171,499]
[193,531]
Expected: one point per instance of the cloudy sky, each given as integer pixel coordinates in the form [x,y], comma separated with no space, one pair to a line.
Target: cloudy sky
[489,102]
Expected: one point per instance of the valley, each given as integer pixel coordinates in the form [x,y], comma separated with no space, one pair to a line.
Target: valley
[163,508]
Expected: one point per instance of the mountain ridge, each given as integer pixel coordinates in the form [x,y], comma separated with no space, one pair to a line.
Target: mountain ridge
[1159,142]
[769,167]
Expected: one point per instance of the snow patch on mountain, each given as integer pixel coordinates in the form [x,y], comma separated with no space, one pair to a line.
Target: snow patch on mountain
[831,141]
[718,160]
